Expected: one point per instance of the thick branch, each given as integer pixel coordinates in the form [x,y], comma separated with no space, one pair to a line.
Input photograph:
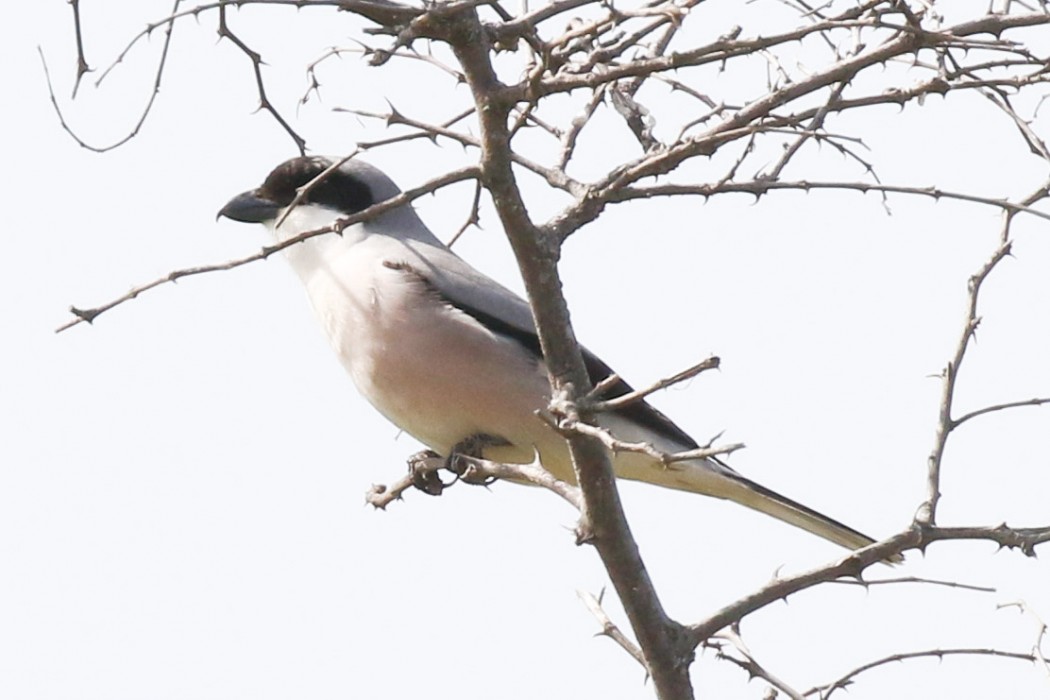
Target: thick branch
[660,638]
[853,565]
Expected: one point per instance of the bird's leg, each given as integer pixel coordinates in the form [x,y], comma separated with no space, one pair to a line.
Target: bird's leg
[472,446]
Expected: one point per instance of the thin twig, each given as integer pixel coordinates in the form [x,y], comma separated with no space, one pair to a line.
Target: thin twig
[750,664]
[1041,631]
[825,691]
[634,397]
[90,314]
[999,407]
[668,459]
[609,628]
[927,513]
[264,100]
[869,583]
[473,218]
[816,123]
[392,12]
[302,192]
[145,111]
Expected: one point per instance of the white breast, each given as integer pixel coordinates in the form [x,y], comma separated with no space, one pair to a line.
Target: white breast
[431,369]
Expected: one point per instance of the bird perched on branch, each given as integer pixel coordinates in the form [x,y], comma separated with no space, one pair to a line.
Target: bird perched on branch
[449,355]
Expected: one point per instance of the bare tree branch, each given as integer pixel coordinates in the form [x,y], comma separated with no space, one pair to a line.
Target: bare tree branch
[927,512]
[610,52]
[90,314]
[264,100]
[869,583]
[634,397]
[1041,632]
[749,663]
[473,218]
[570,427]
[841,683]
[381,495]
[609,628]
[659,637]
[851,566]
[145,110]
[761,187]
[998,407]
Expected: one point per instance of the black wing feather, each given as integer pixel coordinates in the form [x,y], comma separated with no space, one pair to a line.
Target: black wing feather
[640,412]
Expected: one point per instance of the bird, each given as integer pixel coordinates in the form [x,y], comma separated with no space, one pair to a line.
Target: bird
[452,357]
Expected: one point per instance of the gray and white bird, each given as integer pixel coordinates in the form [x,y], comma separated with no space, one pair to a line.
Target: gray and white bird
[447,354]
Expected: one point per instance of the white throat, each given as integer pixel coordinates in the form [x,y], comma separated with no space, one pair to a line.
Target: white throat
[309,255]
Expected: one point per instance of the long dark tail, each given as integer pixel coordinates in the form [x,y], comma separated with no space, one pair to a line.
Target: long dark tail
[700,477]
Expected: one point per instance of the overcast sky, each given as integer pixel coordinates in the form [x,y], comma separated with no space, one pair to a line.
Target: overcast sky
[181,496]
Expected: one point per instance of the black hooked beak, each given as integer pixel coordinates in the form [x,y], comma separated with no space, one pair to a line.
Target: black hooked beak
[249,208]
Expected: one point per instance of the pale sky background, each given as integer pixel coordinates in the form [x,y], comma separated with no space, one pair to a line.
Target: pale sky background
[181,496]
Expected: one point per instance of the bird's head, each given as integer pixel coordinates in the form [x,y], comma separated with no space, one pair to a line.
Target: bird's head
[352,187]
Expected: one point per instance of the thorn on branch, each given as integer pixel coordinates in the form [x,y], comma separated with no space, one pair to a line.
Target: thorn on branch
[87,315]
[82,64]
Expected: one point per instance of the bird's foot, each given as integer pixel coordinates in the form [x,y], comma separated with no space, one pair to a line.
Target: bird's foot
[459,458]
[459,461]
[427,479]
